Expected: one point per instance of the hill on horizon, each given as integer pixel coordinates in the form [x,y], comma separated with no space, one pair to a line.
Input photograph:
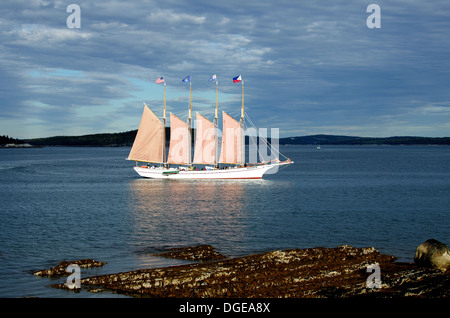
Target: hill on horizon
[355,140]
[126,139]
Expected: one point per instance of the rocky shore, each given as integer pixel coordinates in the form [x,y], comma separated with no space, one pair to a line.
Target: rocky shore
[340,272]
[60,269]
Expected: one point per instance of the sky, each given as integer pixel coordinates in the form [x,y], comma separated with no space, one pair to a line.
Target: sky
[309,67]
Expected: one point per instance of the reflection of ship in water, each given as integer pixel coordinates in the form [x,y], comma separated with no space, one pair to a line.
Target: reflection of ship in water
[173,214]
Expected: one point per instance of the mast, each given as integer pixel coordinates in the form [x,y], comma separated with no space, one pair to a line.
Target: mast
[242,111]
[190,103]
[190,121]
[188,79]
[164,100]
[216,127]
[242,127]
[217,100]
[160,80]
[238,79]
[164,125]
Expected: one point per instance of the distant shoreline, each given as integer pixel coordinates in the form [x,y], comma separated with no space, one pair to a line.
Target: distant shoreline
[350,140]
[126,139]
[19,146]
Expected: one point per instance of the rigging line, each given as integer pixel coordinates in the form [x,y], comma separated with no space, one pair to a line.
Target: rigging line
[254,141]
[258,149]
[264,138]
[261,157]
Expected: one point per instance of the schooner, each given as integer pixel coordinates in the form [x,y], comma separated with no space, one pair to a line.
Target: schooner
[150,146]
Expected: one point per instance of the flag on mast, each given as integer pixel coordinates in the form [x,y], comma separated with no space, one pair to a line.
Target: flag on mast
[186,79]
[160,80]
[213,78]
[237,79]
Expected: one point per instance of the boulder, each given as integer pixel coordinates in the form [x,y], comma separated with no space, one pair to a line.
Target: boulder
[433,253]
[60,269]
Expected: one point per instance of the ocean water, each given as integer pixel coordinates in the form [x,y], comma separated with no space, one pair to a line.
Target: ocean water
[63,203]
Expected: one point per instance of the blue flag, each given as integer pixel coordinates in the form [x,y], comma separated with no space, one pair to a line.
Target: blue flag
[186,79]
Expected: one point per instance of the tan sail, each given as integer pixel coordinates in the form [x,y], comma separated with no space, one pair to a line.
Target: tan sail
[180,142]
[205,141]
[148,145]
[232,143]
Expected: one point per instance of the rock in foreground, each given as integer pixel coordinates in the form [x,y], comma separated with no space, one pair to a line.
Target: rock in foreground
[307,273]
[60,269]
[434,254]
[193,253]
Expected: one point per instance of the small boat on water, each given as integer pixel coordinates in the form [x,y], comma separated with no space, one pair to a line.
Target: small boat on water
[150,146]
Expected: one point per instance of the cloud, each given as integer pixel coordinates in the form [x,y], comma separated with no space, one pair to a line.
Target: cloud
[31,34]
[306,66]
[163,17]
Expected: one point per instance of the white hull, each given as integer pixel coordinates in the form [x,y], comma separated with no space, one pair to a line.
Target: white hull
[254,172]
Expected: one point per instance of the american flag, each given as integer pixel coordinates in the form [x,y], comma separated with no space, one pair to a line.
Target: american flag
[160,80]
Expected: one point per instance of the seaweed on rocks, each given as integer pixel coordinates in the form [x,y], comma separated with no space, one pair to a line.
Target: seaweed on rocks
[319,272]
[193,253]
[60,269]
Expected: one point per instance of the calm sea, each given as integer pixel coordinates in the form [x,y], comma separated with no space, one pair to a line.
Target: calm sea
[73,203]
